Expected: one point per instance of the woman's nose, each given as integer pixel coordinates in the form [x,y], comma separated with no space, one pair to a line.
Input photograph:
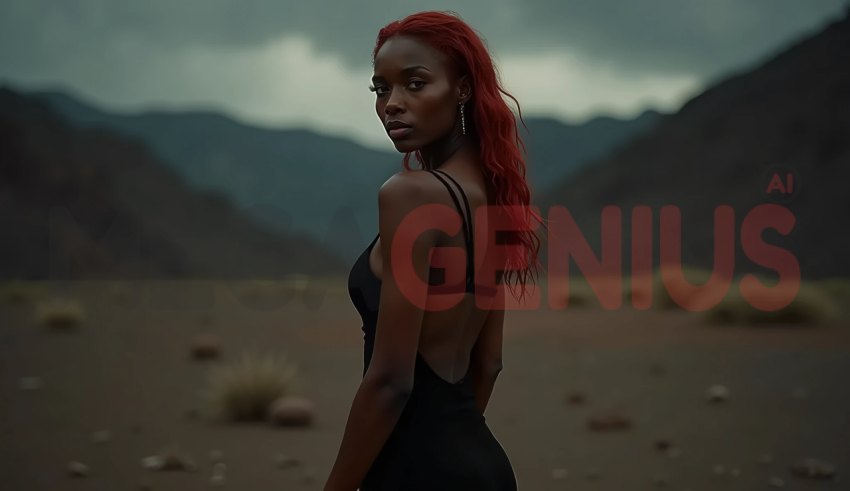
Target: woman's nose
[394,104]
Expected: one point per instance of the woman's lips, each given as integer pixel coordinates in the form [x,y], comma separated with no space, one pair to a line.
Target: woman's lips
[399,132]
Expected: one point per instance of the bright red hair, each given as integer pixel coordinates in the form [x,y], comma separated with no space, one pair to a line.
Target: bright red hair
[494,122]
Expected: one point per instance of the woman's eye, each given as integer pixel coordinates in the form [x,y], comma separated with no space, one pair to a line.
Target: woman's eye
[377,90]
[421,83]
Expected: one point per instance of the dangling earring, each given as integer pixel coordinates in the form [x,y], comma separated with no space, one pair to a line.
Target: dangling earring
[462,119]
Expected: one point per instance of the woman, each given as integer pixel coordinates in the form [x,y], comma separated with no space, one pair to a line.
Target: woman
[433,349]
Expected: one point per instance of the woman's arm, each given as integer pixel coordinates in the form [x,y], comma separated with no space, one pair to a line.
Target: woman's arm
[406,242]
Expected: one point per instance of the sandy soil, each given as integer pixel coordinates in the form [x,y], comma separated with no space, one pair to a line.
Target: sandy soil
[127,370]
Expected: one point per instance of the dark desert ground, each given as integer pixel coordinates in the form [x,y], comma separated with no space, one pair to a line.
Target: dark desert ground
[126,369]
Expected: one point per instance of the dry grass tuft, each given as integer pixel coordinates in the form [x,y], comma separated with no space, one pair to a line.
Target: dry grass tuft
[661,297]
[837,288]
[812,305]
[243,390]
[22,292]
[578,292]
[60,314]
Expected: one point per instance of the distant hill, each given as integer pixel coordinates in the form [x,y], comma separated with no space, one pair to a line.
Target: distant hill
[308,176]
[311,176]
[793,109]
[556,151]
[119,211]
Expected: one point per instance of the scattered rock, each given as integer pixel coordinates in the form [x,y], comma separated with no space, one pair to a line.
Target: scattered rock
[717,393]
[177,461]
[170,459]
[576,397]
[776,482]
[609,421]
[663,444]
[560,473]
[291,411]
[282,461]
[217,478]
[813,469]
[153,463]
[76,469]
[30,383]
[206,346]
[102,436]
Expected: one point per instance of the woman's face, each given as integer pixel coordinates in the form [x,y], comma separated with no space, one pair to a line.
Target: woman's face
[417,93]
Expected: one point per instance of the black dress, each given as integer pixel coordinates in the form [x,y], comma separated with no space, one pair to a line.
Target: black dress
[441,441]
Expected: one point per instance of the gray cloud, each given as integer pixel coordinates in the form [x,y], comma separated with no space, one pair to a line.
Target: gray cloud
[670,36]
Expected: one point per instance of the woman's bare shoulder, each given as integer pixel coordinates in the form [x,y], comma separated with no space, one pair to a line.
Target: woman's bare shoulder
[412,187]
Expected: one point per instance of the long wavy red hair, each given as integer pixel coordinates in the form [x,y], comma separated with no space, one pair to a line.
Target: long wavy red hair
[495,125]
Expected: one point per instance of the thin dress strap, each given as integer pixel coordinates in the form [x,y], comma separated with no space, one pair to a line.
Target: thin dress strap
[466,225]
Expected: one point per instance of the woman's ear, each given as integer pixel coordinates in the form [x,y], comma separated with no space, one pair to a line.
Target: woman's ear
[464,89]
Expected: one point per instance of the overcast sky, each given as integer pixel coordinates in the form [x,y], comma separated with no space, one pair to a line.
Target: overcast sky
[307,63]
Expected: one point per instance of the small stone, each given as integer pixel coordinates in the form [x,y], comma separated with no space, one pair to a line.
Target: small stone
[593,473]
[282,461]
[560,473]
[663,444]
[673,452]
[101,436]
[608,421]
[717,393]
[576,397]
[30,383]
[766,459]
[206,346]
[153,463]
[291,411]
[719,470]
[76,469]
[813,469]
[776,482]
